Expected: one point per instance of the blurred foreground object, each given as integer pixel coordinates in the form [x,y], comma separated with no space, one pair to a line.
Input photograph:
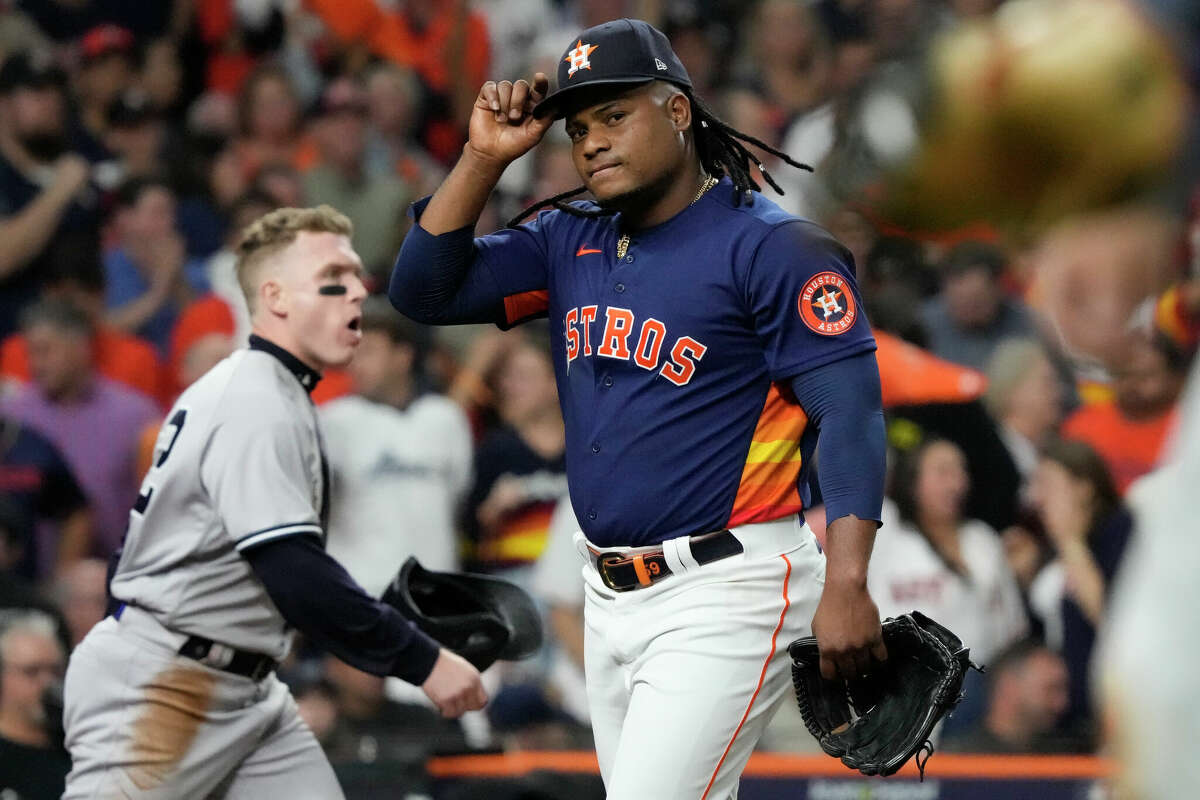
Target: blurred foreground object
[1048,108]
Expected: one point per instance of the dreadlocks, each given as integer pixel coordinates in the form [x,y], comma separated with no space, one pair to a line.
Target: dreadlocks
[722,150]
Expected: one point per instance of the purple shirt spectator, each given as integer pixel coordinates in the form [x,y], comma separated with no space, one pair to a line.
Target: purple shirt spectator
[97,435]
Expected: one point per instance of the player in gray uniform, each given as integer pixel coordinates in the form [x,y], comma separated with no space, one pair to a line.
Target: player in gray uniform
[174,695]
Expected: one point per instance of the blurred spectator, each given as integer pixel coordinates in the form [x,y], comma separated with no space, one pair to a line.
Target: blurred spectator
[927,396]
[160,76]
[16,537]
[394,102]
[521,466]
[701,44]
[69,20]
[220,270]
[557,587]
[849,225]
[47,207]
[1129,431]
[81,591]
[202,337]
[790,66]
[898,264]
[19,32]
[1177,311]
[445,43]
[376,202]
[136,134]
[373,729]
[269,118]
[524,718]
[1027,696]
[394,446]
[106,70]
[317,702]
[149,276]
[33,762]
[1089,528]
[282,183]
[46,520]
[929,558]
[973,314]
[93,421]
[1024,396]
[119,356]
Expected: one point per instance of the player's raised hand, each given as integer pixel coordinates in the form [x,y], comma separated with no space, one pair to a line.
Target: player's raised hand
[454,685]
[503,127]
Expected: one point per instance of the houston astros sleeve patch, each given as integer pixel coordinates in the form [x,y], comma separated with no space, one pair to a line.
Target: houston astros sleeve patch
[826,304]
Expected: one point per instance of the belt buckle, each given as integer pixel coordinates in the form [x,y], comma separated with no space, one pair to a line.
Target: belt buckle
[602,562]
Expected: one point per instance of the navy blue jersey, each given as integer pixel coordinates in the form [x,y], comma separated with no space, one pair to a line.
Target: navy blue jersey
[673,364]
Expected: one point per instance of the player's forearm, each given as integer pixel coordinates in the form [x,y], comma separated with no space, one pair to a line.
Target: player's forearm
[848,544]
[435,280]
[460,199]
[843,401]
[316,596]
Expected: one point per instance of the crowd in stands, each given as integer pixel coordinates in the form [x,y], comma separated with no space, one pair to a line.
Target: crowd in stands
[138,139]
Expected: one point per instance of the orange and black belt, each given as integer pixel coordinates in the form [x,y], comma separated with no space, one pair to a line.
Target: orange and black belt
[624,572]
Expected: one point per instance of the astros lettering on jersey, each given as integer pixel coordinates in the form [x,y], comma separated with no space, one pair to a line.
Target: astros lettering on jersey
[672,363]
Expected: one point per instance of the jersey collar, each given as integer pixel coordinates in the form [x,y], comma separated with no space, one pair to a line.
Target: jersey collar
[307,376]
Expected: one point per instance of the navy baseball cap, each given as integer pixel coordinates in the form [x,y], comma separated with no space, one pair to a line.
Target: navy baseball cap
[624,51]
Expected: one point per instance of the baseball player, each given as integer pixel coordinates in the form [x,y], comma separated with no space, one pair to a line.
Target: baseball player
[701,339]
[175,695]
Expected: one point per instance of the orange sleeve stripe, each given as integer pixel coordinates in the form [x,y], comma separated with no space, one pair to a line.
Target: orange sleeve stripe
[755,500]
[772,430]
[768,474]
[768,487]
[765,513]
[525,305]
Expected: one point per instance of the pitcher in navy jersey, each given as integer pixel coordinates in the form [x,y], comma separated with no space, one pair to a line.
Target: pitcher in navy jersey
[706,346]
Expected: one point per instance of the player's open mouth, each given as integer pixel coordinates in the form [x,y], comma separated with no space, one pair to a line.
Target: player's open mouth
[354,323]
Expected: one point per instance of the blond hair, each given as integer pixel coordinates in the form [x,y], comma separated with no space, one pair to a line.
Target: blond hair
[1006,369]
[274,231]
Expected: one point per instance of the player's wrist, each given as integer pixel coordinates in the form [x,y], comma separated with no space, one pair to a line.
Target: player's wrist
[481,164]
[848,579]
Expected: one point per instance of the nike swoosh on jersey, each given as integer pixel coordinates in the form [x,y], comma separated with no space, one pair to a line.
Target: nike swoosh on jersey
[583,251]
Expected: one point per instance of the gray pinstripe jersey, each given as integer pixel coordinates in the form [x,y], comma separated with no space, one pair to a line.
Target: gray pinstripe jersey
[238,463]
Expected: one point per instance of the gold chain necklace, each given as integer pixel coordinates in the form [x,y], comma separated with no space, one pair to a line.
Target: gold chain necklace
[623,242]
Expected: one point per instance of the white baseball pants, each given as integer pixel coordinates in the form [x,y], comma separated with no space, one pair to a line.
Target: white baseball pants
[143,721]
[684,675]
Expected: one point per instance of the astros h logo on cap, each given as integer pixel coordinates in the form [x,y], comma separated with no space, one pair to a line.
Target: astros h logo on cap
[578,57]
[631,51]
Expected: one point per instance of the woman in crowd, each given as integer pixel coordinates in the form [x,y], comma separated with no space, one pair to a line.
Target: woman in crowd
[1088,527]
[931,559]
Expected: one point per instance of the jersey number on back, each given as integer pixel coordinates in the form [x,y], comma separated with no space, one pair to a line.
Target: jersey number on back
[162,449]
